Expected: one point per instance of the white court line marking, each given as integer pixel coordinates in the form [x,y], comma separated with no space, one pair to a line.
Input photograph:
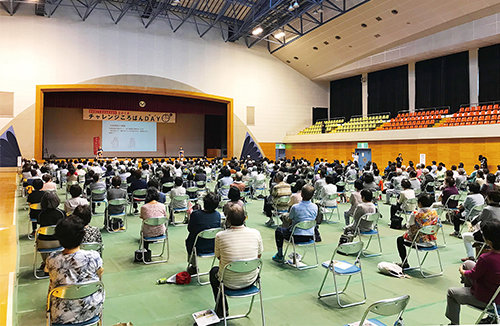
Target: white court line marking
[12,278]
[14,213]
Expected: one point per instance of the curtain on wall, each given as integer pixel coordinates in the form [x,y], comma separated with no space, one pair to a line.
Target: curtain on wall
[388,90]
[345,97]
[443,81]
[489,73]
[319,114]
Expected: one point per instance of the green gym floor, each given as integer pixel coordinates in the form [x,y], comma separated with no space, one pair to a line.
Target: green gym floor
[290,295]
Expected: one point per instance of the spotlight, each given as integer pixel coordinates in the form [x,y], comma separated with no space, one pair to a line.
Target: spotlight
[295,5]
[175,2]
[290,7]
[279,35]
[257,31]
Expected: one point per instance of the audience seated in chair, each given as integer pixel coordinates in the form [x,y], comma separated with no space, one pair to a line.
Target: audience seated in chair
[303,211]
[75,200]
[490,212]
[72,266]
[489,185]
[406,193]
[422,217]
[354,200]
[92,233]
[35,197]
[96,184]
[236,243]
[280,189]
[49,215]
[480,279]
[201,220]
[136,183]
[328,189]
[366,206]
[152,209]
[48,185]
[473,199]
[177,190]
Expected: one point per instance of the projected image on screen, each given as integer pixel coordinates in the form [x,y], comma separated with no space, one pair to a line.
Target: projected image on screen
[125,136]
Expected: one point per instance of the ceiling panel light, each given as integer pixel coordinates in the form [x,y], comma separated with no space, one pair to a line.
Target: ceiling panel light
[296,5]
[279,35]
[257,31]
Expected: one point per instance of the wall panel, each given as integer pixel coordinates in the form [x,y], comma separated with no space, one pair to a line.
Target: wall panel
[448,151]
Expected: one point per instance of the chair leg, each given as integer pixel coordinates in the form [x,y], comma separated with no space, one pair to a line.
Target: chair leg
[262,306]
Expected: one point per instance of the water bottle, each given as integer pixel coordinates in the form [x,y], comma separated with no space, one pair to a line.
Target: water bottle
[162,280]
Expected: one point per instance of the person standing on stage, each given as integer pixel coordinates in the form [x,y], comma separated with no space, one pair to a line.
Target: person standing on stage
[181,152]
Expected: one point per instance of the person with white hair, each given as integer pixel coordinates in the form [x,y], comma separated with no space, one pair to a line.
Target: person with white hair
[395,186]
[426,179]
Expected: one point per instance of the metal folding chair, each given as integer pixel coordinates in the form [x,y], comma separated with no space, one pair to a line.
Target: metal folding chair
[183,209]
[99,193]
[491,309]
[279,208]
[241,266]
[260,188]
[208,234]
[35,207]
[405,213]
[340,268]
[388,307]
[120,216]
[97,246]
[138,196]
[373,218]
[329,209]
[427,247]
[304,225]
[75,292]
[155,221]
[475,211]
[45,230]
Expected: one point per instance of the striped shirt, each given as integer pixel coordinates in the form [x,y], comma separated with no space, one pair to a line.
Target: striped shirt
[238,243]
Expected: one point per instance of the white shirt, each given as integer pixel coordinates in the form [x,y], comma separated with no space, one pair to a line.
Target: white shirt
[238,243]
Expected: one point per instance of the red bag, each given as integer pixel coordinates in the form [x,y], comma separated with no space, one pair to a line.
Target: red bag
[182,278]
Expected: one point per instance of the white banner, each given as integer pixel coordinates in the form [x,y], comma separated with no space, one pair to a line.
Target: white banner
[137,116]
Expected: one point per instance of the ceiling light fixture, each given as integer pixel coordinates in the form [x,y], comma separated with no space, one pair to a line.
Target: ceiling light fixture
[258,30]
[295,5]
[175,2]
[290,7]
[279,35]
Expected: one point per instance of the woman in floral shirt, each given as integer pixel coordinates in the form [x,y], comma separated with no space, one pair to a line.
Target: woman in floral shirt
[424,216]
[72,266]
[92,233]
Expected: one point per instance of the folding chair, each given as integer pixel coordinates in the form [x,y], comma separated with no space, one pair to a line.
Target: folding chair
[370,217]
[35,207]
[428,247]
[208,234]
[192,193]
[155,221]
[68,185]
[45,230]
[277,211]
[167,186]
[340,268]
[183,209]
[405,213]
[440,210]
[97,246]
[138,196]
[304,225]
[475,211]
[446,205]
[329,209]
[119,216]
[241,266]
[259,187]
[388,307]
[99,193]
[75,292]
[491,309]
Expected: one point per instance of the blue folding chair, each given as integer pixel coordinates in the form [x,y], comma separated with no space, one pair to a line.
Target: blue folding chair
[388,307]
[426,247]
[304,225]
[241,266]
[208,234]
[343,268]
[44,230]
[373,218]
[163,239]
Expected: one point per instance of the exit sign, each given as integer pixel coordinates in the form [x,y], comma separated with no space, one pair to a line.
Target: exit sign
[280,146]
[362,145]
